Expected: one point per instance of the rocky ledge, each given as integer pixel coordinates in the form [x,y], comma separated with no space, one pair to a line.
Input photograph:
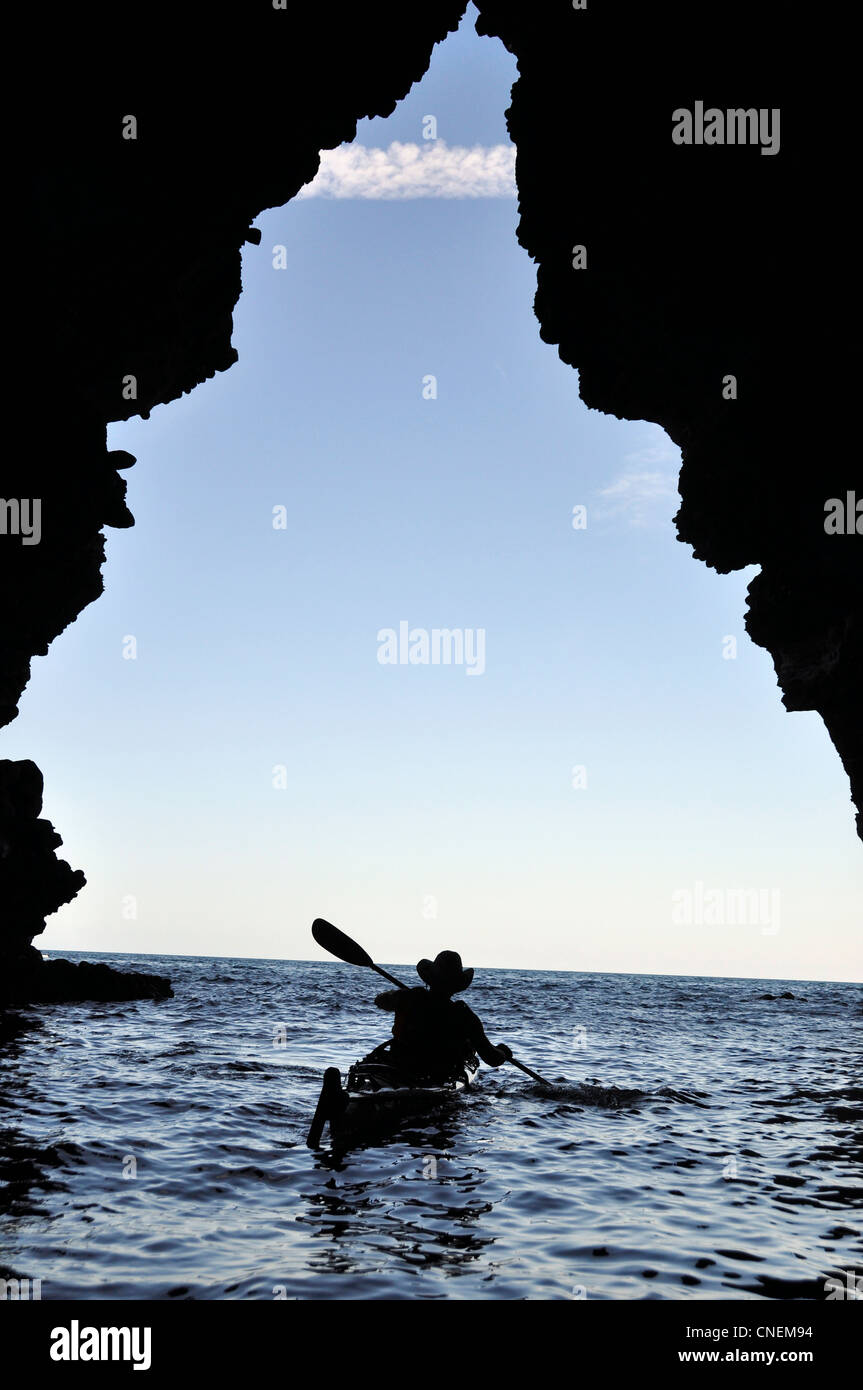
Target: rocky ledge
[30,979]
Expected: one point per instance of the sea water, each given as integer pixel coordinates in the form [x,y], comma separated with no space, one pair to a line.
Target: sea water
[699,1142]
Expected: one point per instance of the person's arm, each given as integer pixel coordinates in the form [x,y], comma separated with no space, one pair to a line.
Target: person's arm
[486,1050]
[393,999]
[494,1056]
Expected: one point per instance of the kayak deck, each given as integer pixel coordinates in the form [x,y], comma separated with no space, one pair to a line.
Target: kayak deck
[376,1097]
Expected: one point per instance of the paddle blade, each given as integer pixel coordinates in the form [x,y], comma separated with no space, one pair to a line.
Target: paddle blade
[338,944]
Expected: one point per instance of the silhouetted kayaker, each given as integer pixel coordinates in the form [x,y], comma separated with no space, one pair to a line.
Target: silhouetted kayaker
[433,1034]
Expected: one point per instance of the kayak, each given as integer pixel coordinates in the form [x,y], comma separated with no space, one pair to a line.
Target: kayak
[376,1096]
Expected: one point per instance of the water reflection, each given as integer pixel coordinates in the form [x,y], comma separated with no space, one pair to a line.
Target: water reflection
[419,1206]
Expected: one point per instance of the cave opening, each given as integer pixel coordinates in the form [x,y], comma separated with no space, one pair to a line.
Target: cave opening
[466,500]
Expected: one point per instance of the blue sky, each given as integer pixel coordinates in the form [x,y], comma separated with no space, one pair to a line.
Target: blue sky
[423,808]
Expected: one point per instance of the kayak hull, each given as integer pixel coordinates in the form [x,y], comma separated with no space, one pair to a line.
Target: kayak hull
[376,1099]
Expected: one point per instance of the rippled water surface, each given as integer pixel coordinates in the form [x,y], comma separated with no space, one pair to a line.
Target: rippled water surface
[707,1144]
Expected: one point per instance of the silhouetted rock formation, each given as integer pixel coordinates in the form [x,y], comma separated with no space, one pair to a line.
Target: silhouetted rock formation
[34,980]
[33,881]
[33,884]
[693,272]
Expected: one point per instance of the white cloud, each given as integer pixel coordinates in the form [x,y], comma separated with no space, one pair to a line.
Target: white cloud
[643,494]
[433,170]
[658,449]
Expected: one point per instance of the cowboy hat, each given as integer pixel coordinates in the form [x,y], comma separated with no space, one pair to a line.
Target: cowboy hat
[445,972]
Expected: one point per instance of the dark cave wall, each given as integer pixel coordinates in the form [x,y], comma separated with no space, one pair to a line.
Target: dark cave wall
[133,265]
[704,261]
[135,245]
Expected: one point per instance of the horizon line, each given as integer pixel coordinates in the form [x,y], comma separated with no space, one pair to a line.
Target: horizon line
[546,970]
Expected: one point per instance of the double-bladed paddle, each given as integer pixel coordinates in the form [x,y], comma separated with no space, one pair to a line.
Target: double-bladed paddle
[350,951]
[338,944]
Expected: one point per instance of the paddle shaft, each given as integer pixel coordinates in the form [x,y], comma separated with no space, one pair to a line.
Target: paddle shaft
[536,1076]
[392,979]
